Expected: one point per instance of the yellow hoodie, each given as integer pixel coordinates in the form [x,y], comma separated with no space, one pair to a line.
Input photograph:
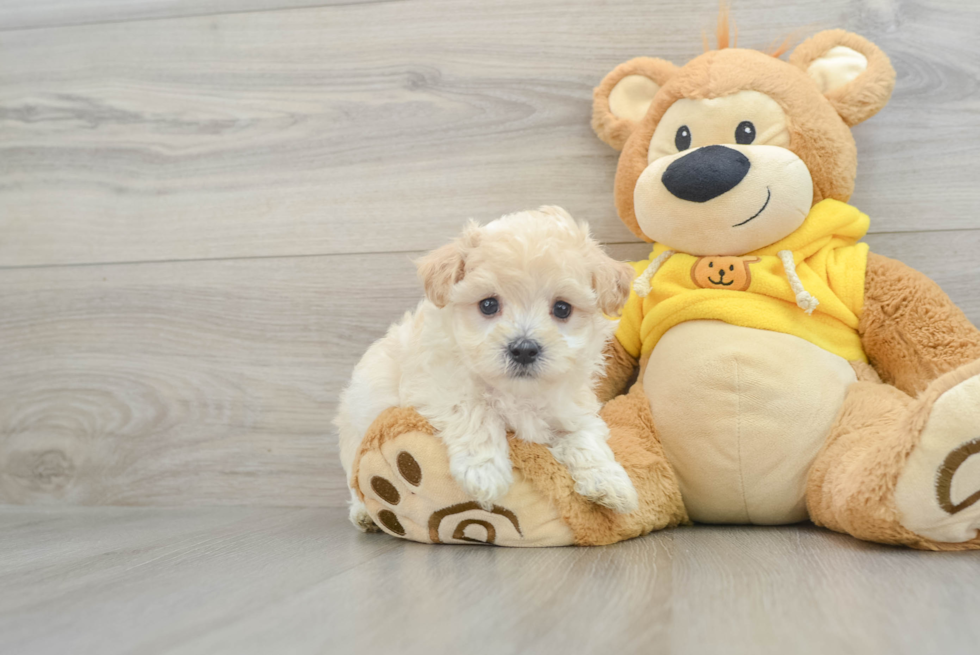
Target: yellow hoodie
[755,290]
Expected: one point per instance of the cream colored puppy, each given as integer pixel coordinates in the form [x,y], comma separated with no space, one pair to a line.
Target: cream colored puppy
[510,337]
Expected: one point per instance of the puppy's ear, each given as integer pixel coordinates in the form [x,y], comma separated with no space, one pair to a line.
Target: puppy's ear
[611,281]
[444,267]
[439,271]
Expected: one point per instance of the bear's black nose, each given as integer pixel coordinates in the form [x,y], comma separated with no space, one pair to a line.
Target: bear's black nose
[705,173]
[524,351]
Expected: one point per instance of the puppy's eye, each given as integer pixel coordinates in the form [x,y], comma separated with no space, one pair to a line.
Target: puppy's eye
[489,306]
[561,309]
[745,133]
[683,138]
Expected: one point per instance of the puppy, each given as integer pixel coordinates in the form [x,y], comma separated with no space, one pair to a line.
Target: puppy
[510,337]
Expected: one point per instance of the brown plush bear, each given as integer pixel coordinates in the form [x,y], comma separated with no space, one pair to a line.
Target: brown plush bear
[776,371]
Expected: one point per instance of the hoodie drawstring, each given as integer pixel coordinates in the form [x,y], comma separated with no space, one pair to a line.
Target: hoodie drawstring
[804,299]
[641,285]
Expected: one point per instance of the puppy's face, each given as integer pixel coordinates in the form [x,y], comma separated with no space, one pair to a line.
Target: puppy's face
[526,294]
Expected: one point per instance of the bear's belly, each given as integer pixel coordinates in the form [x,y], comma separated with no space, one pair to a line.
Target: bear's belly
[742,414]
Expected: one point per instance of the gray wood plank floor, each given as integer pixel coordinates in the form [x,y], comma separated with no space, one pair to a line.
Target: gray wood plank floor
[380,126]
[238,580]
[207,210]
[33,14]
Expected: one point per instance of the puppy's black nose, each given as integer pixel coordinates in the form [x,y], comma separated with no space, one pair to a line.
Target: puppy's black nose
[706,173]
[524,351]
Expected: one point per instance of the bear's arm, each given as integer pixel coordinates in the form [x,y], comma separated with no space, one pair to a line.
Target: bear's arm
[620,372]
[910,329]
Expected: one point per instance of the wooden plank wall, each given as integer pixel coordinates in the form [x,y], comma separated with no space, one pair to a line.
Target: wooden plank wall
[208,209]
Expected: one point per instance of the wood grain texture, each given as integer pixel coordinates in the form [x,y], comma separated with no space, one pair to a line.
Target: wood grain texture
[33,14]
[234,580]
[214,382]
[378,127]
[185,383]
[207,211]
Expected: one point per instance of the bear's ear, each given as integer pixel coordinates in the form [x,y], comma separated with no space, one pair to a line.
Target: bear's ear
[850,71]
[622,98]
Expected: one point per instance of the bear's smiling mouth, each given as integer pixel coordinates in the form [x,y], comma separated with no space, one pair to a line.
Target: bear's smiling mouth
[722,281]
[756,215]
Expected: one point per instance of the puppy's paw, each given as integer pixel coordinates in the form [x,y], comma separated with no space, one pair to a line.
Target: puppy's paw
[484,481]
[608,485]
[360,518]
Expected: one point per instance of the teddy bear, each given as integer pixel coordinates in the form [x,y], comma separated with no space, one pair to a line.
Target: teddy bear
[767,368]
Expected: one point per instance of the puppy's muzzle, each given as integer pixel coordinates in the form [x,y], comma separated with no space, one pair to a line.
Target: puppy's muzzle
[524,352]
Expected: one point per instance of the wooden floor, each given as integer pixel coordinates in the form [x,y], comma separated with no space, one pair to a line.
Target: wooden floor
[208,210]
[267,580]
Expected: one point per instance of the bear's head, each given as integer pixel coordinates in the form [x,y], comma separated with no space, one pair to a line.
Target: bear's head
[727,153]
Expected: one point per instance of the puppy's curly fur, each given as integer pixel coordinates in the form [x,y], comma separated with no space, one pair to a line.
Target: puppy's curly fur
[456,363]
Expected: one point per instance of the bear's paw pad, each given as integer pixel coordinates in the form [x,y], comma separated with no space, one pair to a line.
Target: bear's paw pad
[409,493]
[938,491]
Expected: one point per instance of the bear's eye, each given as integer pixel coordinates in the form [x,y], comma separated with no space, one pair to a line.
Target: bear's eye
[732,267]
[711,264]
[489,306]
[745,133]
[683,138]
[562,309]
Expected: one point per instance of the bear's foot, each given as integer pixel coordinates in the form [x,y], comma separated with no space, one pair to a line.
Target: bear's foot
[402,473]
[938,491]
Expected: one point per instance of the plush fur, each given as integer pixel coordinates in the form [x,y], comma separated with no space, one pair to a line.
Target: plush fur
[620,373]
[911,330]
[917,340]
[548,483]
[660,504]
[924,354]
[454,364]
[819,135]
[862,98]
[851,485]
[616,130]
